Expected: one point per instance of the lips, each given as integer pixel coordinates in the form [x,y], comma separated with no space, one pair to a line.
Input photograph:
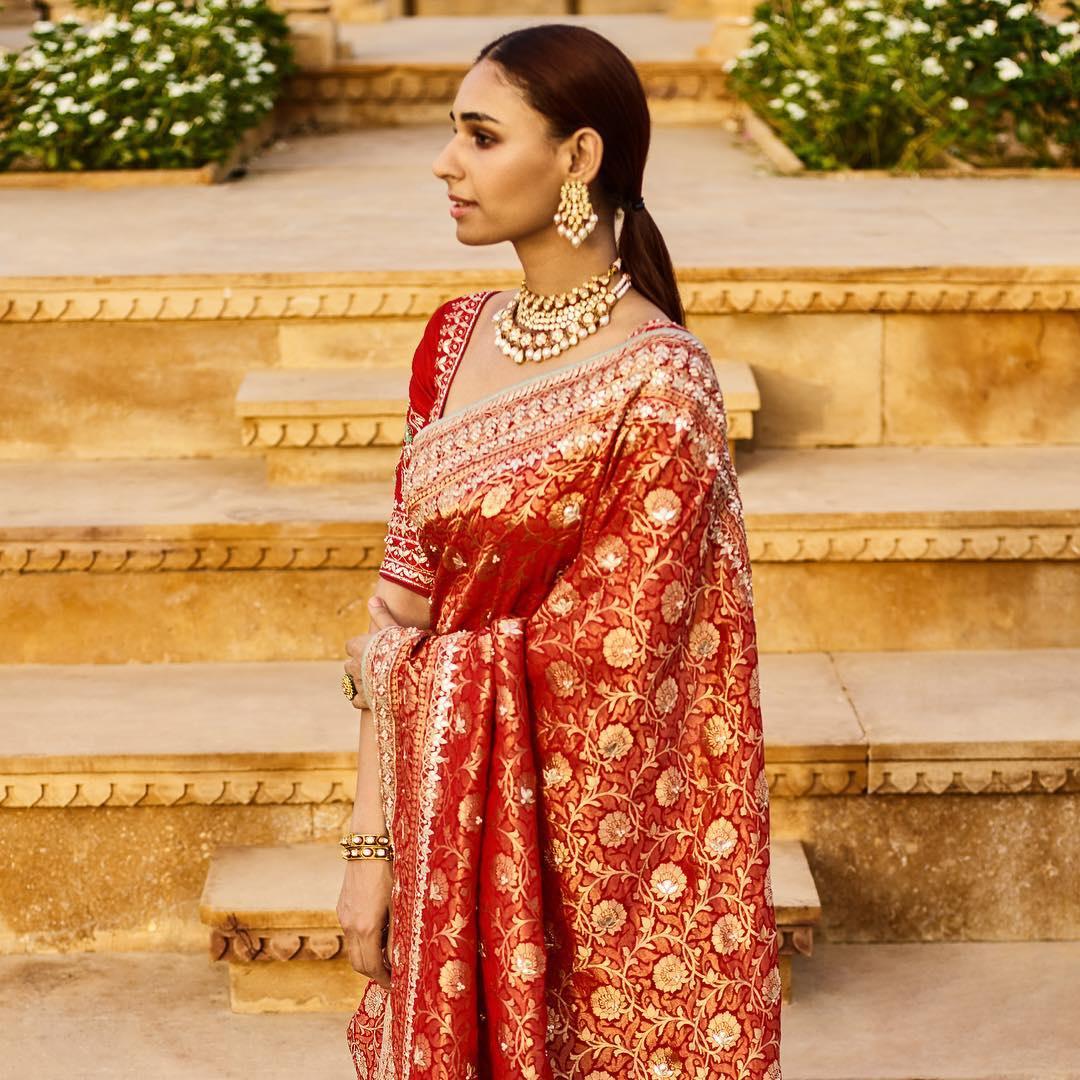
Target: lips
[461,202]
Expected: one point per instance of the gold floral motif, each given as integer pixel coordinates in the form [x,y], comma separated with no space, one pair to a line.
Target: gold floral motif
[724,1030]
[668,881]
[663,506]
[614,829]
[620,647]
[454,978]
[669,786]
[720,838]
[610,553]
[506,877]
[528,961]
[607,1003]
[728,935]
[672,602]
[665,1065]
[704,640]
[669,973]
[667,695]
[718,736]
[562,678]
[608,917]
[557,771]
[615,742]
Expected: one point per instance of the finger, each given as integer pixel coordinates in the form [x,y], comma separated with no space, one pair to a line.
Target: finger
[371,955]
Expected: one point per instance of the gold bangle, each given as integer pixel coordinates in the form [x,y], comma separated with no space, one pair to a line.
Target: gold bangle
[366,846]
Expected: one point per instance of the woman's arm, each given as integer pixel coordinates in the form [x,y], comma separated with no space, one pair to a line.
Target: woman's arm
[365,895]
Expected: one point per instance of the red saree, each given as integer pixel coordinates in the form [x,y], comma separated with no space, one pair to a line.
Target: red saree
[572,757]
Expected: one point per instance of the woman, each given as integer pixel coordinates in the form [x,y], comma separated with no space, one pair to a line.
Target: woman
[566,747]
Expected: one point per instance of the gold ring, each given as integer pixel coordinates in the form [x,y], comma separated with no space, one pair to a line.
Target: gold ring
[348,687]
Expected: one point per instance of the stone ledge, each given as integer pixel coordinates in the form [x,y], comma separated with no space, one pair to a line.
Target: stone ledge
[291,413]
[278,904]
[227,734]
[717,290]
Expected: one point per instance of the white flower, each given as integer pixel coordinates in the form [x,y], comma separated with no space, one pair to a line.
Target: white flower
[1008,69]
[50,127]
[795,110]
[49,88]
[142,5]
[140,35]
[100,79]
[931,4]
[1067,29]
[1017,11]
[151,123]
[166,6]
[920,27]
[129,83]
[98,116]
[932,66]
[897,84]
[958,104]
[65,105]
[1050,57]
[791,88]
[776,103]
[895,28]
[876,58]
[179,127]
[42,26]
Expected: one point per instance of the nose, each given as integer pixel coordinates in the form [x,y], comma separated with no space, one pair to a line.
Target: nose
[445,166]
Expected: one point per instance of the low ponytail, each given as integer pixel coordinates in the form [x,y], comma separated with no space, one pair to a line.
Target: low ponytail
[646,259]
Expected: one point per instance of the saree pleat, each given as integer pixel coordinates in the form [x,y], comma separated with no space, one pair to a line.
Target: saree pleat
[575,783]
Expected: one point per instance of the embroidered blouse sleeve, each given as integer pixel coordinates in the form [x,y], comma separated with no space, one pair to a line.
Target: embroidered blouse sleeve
[405,561]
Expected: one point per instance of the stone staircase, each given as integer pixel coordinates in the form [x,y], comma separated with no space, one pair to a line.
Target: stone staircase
[195,476]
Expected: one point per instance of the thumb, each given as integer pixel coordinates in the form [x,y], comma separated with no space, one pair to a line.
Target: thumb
[380,613]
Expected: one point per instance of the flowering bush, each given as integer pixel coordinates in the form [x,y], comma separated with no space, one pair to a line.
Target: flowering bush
[153,85]
[895,83]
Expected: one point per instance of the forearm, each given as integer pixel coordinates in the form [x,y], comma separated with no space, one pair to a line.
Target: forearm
[367,814]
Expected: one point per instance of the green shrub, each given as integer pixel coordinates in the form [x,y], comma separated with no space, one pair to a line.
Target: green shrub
[152,85]
[899,83]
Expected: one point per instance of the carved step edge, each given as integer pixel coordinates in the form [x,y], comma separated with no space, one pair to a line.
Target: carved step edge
[312,422]
[272,917]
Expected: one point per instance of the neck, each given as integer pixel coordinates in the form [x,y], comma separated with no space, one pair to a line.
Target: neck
[552,265]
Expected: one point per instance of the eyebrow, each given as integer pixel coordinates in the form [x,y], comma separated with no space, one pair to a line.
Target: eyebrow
[478,117]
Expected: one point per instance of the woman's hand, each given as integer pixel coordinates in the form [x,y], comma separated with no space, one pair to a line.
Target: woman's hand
[363,909]
[380,618]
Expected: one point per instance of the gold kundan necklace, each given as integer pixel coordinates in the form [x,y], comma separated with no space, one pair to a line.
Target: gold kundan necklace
[535,327]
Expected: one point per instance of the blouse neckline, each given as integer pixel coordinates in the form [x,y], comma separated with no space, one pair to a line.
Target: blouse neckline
[438,416]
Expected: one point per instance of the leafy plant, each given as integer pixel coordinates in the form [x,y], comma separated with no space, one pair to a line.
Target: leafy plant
[904,83]
[154,84]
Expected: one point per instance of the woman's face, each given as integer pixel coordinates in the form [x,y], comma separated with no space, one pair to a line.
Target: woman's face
[500,159]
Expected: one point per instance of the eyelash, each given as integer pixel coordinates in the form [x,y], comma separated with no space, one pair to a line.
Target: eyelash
[479,135]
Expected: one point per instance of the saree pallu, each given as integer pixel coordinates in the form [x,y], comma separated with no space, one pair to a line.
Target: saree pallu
[572,757]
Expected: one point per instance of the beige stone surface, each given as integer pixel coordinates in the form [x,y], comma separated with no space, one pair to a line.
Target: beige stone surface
[255,613]
[985,703]
[907,605]
[130,1016]
[994,867]
[127,1016]
[368,200]
[988,378]
[117,877]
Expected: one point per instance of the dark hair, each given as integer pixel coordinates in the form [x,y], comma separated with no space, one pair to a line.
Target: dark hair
[577,78]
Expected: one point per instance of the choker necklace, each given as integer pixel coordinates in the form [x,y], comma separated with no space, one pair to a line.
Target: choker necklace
[535,327]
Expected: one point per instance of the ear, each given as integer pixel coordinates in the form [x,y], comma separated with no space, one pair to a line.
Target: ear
[584,152]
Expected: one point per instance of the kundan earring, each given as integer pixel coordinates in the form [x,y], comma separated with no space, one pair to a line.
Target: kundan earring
[575,218]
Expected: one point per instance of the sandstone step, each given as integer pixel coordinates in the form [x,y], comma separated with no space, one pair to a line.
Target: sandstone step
[406,70]
[310,424]
[272,916]
[843,356]
[132,775]
[129,1015]
[863,548]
